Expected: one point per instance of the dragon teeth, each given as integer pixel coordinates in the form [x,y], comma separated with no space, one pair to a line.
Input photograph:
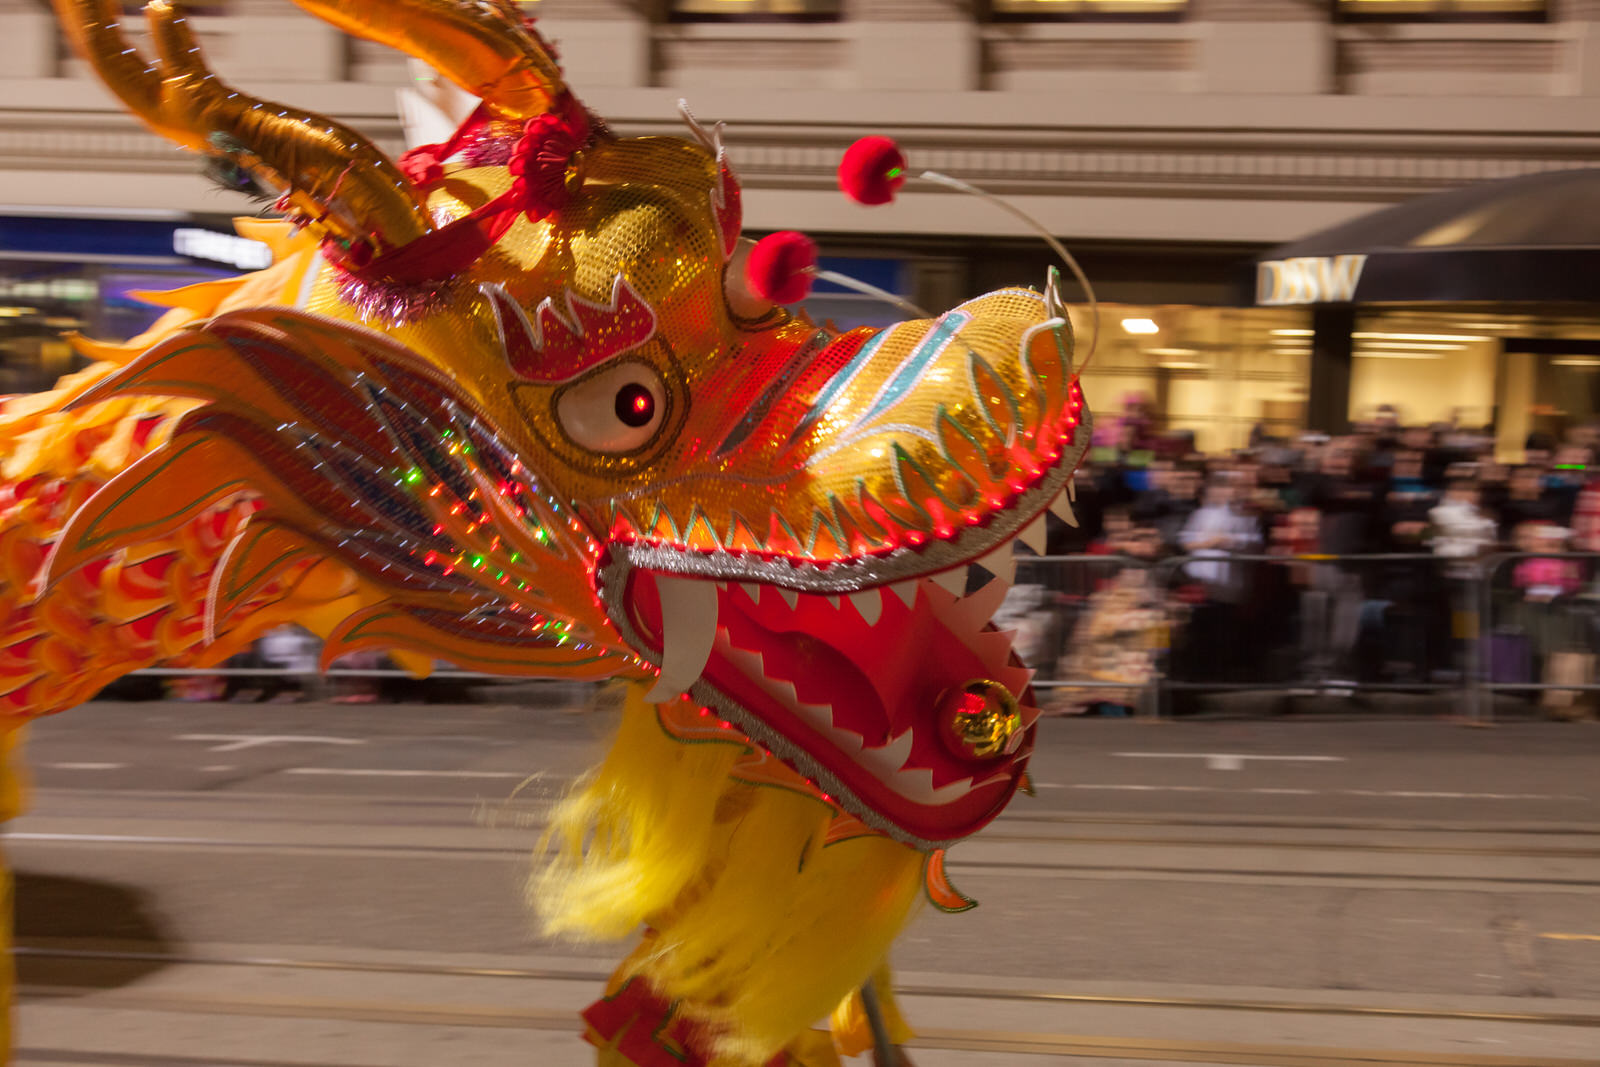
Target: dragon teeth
[1033,536]
[1002,563]
[790,597]
[1061,507]
[689,629]
[906,591]
[869,605]
[975,610]
[886,760]
[954,581]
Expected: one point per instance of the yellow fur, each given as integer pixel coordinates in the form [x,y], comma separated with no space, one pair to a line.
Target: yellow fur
[754,926]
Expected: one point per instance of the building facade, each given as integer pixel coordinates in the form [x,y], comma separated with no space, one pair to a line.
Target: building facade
[1166,141]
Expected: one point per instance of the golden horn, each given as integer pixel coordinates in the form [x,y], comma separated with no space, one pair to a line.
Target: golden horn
[321,163]
[332,175]
[481,46]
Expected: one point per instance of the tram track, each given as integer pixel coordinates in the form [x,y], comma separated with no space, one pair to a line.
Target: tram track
[1022,1044]
[983,856]
[25,952]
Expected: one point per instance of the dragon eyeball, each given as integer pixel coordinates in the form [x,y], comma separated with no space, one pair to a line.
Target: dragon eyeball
[617,410]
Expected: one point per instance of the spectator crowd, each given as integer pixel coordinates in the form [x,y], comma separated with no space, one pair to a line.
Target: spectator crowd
[1331,562]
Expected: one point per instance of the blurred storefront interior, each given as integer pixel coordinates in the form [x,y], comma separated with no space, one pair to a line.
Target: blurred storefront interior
[81,272]
[1170,143]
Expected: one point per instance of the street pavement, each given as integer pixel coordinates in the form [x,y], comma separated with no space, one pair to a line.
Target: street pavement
[342,885]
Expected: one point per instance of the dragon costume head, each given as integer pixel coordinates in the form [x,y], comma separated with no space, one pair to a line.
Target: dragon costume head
[518,385]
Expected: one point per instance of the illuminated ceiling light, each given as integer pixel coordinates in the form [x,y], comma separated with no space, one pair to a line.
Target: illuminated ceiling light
[1416,346]
[1180,364]
[1575,361]
[1379,353]
[1173,351]
[1291,333]
[1458,337]
[1140,326]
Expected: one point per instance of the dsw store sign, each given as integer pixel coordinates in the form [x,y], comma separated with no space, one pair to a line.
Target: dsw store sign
[1308,280]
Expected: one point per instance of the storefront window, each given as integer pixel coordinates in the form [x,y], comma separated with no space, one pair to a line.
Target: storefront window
[1209,379]
[41,302]
[1441,10]
[1520,373]
[1083,10]
[755,10]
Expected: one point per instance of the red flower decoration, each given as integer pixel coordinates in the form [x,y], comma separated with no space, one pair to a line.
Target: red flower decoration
[543,156]
[780,265]
[424,164]
[872,170]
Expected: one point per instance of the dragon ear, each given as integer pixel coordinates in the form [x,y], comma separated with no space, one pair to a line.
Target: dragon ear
[484,46]
[329,175]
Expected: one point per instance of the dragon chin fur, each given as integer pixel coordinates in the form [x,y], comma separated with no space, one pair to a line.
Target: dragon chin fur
[513,407]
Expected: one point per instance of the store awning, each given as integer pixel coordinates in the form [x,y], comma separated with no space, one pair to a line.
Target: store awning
[1533,238]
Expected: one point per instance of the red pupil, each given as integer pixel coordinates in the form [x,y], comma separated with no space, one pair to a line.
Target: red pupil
[635,405]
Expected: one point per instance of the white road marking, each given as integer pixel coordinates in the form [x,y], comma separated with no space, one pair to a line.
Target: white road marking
[1228,761]
[352,772]
[1400,793]
[235,742]
[86,766]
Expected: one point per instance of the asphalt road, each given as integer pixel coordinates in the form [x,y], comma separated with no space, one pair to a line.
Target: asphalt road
[342,885]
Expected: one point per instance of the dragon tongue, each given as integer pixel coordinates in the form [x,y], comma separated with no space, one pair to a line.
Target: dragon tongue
[688,630]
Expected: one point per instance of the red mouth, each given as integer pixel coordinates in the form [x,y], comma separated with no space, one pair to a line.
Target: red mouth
[851,691]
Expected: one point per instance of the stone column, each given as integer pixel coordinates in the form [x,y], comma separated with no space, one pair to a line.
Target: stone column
[1280,47]
[1580,64]
[929,45]
[29,47]
[601,42]
[1332,349]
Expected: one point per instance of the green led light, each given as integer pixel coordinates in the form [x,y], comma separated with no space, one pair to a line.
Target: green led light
[413,476]
[895,172]
[477,561]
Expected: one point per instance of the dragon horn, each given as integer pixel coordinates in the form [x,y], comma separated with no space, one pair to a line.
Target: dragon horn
[331,174]
[484,46]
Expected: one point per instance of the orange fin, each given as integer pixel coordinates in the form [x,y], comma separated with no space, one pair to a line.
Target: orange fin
[941,894]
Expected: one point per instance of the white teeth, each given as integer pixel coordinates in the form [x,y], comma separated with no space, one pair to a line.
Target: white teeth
[869,605]
[1002,563]
[906,591]
[832,600]
[887,760]
[689,628]
[790,597]
[1033,536]
[955,582]
[917,784]
[1062,507]
[751,590]
[1072,488]
[975,610]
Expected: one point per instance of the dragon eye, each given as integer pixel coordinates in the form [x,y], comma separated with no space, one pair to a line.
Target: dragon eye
[617,410]
[635,405]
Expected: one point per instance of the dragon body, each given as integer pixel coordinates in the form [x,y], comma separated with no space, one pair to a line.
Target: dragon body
[509,402]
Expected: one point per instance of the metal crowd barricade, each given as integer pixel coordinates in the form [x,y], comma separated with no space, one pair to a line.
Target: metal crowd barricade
[1147,636]
[1093,629]
[1541,629]
[1309,624]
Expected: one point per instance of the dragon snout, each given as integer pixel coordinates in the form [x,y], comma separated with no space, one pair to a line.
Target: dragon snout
[938,425]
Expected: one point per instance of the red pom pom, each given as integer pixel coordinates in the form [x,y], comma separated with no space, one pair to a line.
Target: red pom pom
[779,267]
[872,170]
